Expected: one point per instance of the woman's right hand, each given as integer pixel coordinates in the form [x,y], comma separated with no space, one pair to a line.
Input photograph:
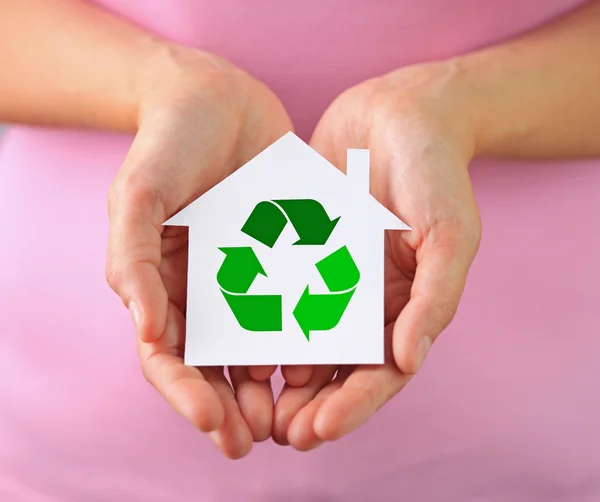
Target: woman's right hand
[200,118]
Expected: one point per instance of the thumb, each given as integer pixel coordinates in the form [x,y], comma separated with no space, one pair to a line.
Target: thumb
[439,281]
[134,254]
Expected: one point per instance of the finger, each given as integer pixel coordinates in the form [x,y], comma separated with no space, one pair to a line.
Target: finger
[297,375]
[233,437]
[293,399]
[134,254]
[183,387]
[355,400]
[261,373]
[439,281]
[301,432]
[255,400]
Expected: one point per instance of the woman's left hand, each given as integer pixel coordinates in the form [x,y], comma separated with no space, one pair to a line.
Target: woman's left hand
[417,124]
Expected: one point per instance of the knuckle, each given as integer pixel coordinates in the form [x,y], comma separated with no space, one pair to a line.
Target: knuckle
[133,190]
[145,373]
[449,226]
[459,231]
[130,192]
[112,275]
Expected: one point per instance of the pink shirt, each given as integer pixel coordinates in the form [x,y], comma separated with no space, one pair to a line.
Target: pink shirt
[507,405]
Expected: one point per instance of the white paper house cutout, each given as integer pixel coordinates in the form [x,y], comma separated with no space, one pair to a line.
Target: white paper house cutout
[288,169]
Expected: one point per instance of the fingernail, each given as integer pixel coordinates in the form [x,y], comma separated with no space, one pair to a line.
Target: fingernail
[421,351]
[135,313]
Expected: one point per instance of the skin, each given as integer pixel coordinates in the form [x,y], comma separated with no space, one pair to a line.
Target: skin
[197,118]
[181,151]
[423,125]
[419,171]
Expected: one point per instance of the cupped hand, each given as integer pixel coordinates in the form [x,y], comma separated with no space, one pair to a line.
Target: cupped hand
[418,126]
[200,119]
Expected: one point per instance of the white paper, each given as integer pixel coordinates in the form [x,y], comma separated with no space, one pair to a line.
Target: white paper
[287,170]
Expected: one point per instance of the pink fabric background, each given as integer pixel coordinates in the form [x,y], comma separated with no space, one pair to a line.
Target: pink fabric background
[506,407]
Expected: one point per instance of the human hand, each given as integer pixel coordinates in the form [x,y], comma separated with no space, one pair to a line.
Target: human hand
[419,129]
[200,119]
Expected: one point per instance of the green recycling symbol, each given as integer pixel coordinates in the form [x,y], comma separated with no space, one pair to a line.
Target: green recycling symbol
[241,266]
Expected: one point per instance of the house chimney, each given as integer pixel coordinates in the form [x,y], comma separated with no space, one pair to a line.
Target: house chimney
[357,169]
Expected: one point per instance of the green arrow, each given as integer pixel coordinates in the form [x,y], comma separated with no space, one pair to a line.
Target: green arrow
[239,269]
[307,216]
[338,270]
[256,312]
[309,219]
[323,312]
[320,312]
[265,223]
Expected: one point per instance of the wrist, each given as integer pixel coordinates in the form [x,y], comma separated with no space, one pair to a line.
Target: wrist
[175,77]
[440,92]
